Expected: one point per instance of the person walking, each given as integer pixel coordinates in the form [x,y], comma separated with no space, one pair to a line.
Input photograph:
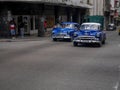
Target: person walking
[45,26]
[12,29]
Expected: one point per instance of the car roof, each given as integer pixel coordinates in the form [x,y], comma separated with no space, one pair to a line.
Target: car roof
[91,23]
[69,23]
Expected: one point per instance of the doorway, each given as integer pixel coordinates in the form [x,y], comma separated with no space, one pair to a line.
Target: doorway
[26,20]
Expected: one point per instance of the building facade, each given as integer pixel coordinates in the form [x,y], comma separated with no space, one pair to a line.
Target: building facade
[96,14]
[111,11]
[98,6]
[116,12]
[107,12]
[34,12]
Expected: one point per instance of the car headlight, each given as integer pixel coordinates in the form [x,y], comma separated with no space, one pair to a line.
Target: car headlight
[98,35]
[68,32]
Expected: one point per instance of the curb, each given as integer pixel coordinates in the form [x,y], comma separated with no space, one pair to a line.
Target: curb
[25,39]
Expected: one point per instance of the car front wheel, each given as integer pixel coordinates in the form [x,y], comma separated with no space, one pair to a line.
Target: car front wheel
[54,39]
[75,44]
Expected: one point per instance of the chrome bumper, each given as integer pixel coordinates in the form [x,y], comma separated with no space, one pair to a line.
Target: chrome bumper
[86,41]
[61,37]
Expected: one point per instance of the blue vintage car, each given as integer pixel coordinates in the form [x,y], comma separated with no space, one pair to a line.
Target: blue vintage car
[64,31]
[90,33]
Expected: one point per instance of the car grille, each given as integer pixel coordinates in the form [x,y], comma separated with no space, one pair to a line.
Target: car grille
[86,38]
[62,34]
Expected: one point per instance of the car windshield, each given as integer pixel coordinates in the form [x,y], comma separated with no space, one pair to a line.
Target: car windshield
[68,25]
[89,27]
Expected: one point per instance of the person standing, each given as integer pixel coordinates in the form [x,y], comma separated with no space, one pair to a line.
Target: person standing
[12,29]
[22,24]
[45,26]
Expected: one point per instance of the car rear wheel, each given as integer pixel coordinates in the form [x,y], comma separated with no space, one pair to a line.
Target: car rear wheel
[54,39]
[75,44]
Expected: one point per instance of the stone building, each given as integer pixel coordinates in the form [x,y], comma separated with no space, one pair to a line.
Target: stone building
[111,11]
[32,12]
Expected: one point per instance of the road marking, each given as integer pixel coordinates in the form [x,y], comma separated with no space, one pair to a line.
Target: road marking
[118,45]
[116,86]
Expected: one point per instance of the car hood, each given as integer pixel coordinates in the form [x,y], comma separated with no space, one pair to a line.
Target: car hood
[88,32]
[62,30]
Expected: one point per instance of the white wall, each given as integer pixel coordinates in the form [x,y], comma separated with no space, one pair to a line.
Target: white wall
[98,7]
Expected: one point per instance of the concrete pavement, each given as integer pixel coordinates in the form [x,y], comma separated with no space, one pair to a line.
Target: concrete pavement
[47,65]
[26,38]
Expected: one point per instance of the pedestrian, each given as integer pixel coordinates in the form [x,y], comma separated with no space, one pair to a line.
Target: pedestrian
[45,26]
[22,24]
[12,29]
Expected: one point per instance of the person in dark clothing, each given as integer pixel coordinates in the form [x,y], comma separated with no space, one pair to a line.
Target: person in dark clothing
[22,25]
[45,26]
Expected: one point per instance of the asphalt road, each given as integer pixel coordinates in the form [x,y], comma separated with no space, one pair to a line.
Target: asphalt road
[48,65]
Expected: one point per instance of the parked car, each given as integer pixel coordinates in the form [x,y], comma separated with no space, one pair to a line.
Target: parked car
[89,33]
[64,31]
[111,27]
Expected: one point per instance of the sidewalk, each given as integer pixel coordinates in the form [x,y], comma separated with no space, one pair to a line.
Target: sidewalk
[26,38]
